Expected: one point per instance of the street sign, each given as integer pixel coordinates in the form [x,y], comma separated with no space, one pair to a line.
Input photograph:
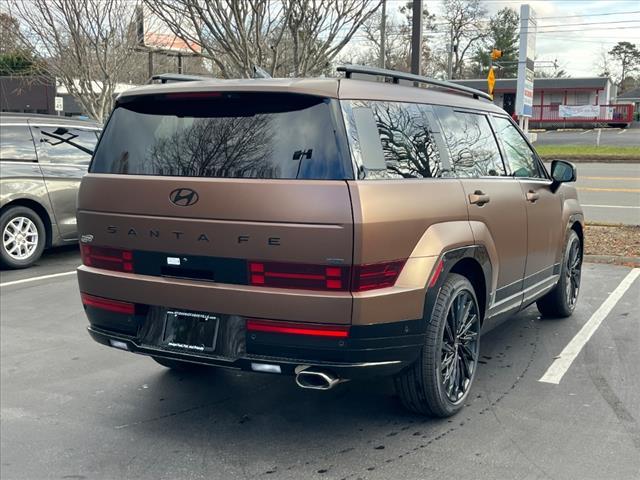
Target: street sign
[524,92]
[491,81]
[58,104]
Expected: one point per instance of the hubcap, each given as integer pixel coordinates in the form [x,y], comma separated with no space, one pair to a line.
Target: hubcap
[460,346]
[20,238]
[573,272]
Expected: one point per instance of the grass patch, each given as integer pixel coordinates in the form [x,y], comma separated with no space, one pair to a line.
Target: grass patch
[605,152]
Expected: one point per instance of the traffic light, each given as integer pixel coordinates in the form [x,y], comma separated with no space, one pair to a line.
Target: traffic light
[496,54]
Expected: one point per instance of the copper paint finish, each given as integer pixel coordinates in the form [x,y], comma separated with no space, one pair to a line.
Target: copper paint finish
[319,222]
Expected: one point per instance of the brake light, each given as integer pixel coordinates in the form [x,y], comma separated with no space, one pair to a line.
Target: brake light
[376,275]
[291,328]
[115,306]
[107,258]
[324,277]
[297,275]
[192,95]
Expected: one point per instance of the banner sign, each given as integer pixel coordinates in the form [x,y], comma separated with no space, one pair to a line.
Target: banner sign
[524,92]
[578,111]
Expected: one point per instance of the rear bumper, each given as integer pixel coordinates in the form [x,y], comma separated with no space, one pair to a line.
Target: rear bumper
[368,351]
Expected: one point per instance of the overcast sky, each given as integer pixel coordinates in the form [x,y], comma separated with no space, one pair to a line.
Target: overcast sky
[567,37]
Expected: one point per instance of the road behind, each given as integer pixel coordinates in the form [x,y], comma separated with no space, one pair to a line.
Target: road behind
[610,192]
[74,409]
[609,136]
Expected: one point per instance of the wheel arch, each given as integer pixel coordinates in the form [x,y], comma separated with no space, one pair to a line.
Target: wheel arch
[39,209]
[473,263]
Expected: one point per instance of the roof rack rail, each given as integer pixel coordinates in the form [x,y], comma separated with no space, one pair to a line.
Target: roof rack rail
[176,77]
[396,76]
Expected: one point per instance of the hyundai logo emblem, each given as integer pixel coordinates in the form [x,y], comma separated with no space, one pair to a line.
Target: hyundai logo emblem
[183,197]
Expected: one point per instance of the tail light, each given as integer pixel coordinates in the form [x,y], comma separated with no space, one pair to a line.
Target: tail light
[115,306]
[323,277]
[377,275]
[296,275]
[290,328]
[107,258]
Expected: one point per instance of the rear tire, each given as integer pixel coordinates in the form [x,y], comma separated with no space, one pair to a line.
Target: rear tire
[179,366]
[438,383]
[561,301]
[23,237]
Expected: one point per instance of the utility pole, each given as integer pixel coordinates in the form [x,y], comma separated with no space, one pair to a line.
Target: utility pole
[383,34]
[416,37]
[450,55]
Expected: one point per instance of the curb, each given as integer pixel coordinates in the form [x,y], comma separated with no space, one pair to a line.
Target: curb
[613,260]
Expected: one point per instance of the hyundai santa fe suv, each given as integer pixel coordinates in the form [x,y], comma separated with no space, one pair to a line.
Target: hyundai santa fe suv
[327,229]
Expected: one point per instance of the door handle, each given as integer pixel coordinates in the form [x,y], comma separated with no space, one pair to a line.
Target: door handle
[532,196]
[478,198]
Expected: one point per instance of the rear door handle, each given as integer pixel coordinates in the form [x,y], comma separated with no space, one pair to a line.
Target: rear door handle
[532,196]
[478,198]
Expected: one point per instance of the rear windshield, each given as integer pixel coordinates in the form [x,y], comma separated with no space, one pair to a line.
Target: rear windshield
[223,135]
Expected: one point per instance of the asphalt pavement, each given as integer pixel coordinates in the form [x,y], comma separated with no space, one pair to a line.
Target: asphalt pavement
[610,192]
[608,136]
[73,409]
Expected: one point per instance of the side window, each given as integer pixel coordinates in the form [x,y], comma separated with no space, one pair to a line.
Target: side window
[521,159]
[408,140]
[16,143]
[59,144]
[472,145]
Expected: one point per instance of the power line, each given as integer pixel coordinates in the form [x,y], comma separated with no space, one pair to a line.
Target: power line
[589,15]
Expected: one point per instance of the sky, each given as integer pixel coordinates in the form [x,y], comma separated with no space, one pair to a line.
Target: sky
[572,31]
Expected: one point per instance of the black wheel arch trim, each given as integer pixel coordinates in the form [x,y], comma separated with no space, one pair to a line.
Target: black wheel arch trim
[450,259]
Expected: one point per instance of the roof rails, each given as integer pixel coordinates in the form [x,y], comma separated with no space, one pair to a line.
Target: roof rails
[396,76]
[176,77]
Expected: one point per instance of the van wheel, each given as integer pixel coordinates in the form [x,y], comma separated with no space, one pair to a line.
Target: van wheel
[178,365]
[23,237]
[438,383]
[561,301]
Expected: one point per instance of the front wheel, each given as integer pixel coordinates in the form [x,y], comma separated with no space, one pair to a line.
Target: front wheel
[561,301]
[438,383]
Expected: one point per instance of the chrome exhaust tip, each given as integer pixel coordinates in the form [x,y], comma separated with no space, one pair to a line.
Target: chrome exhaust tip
[315,379]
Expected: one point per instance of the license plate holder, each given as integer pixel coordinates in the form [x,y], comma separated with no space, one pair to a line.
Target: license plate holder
[190,331]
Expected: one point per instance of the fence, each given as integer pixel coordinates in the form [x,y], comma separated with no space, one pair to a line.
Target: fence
[619,113]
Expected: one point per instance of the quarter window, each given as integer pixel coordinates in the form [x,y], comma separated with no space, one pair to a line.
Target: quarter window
[520,158]
[472,145]
[60,144]
[16,143]
[408,140]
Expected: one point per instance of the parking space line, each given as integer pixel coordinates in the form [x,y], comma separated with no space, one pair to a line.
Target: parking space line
[562,363]
[586,131]
[622,130]
[34,279]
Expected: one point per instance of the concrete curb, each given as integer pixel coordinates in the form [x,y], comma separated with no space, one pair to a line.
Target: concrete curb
[613,260]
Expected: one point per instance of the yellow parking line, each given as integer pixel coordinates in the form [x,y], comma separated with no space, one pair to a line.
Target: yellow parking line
[632,179]
[628,190]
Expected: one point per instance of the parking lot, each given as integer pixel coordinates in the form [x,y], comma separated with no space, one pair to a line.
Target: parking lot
[588,136]
[74,409]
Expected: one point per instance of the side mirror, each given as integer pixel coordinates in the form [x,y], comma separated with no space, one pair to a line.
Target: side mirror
[562,172]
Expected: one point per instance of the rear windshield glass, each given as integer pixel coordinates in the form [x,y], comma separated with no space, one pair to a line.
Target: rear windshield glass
[225,135]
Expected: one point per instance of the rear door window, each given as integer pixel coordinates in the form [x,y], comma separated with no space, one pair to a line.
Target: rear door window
[224,135]
[65,144]
[520,157]
[16,143]
[472,146]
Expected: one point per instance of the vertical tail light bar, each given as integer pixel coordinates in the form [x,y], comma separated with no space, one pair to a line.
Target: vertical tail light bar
[108,258]
[324,277]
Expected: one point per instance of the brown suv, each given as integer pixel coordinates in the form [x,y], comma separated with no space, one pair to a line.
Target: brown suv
[322,228]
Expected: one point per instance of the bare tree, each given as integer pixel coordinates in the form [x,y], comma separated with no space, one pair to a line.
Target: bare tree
[85,44]
[285,37]
[465,24]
